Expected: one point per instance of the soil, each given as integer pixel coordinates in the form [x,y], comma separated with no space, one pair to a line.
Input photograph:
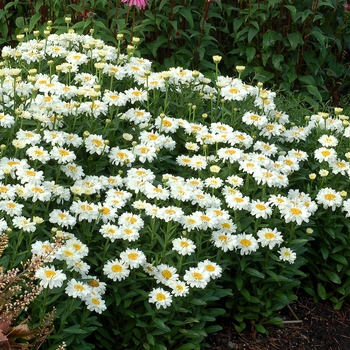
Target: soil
[308,325]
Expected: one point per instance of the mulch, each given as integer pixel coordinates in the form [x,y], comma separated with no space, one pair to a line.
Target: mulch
[308,325]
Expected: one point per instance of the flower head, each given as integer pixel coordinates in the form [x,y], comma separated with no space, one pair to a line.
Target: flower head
[50,277]
[160,297]
[286,254]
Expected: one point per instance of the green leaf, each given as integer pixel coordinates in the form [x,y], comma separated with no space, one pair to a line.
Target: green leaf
[150,339]
[340,258]
[330,231]
[306,14]
[33,21]
[251,34]
[321,291]
[245,293]
[19,22]
[254,272]
[277,321]
[291,75]
[237,23]
[187,14]
[295,39]
[307,79]
[155,45]
[161,325]
[292,9]
[260,328]
[76,8]
[198,302]
[187,346]
[163,2]
[324,252]
[333,277]
[239,283]
[74,330]
[313,90]
[213,328]
[276,61]
[317,33]
[250,52]
[338,305]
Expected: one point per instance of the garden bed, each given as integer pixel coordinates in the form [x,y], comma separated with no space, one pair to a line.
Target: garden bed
[321,327]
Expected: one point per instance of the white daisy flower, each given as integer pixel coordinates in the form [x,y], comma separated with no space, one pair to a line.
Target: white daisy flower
[184,246]
[269,237]
[197,277]
[116,269]
[246,243]
[286,254]
[50,277]
[160,297]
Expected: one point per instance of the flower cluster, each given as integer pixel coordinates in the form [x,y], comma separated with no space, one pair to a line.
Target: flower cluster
[104,150]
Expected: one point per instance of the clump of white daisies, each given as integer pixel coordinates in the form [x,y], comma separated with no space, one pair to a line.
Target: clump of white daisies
[150,171]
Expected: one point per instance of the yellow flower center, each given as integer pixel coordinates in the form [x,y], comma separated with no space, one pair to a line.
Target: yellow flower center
[133,256]
[38,190]
[117,268]
[166,274]
[160,297]
[95,301]
[97,142]
[210,268]
[50,273]
[93,283]
[329,196]
[79,287]
[63,152]
[197,276]
[295,211]
[245,242]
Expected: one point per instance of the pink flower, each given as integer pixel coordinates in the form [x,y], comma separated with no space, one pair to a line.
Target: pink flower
[141,4]
[347,7]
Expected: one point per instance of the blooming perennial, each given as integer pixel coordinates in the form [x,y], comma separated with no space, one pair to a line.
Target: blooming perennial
[134,188]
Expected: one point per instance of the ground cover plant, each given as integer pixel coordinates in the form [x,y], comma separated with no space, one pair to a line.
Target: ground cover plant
[174,198]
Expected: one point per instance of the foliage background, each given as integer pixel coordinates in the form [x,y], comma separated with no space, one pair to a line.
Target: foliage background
[291,45]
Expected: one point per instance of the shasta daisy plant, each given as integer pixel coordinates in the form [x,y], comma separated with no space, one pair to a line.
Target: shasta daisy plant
[168,190]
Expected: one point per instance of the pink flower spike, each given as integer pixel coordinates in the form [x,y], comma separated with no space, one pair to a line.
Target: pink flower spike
[141,4]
